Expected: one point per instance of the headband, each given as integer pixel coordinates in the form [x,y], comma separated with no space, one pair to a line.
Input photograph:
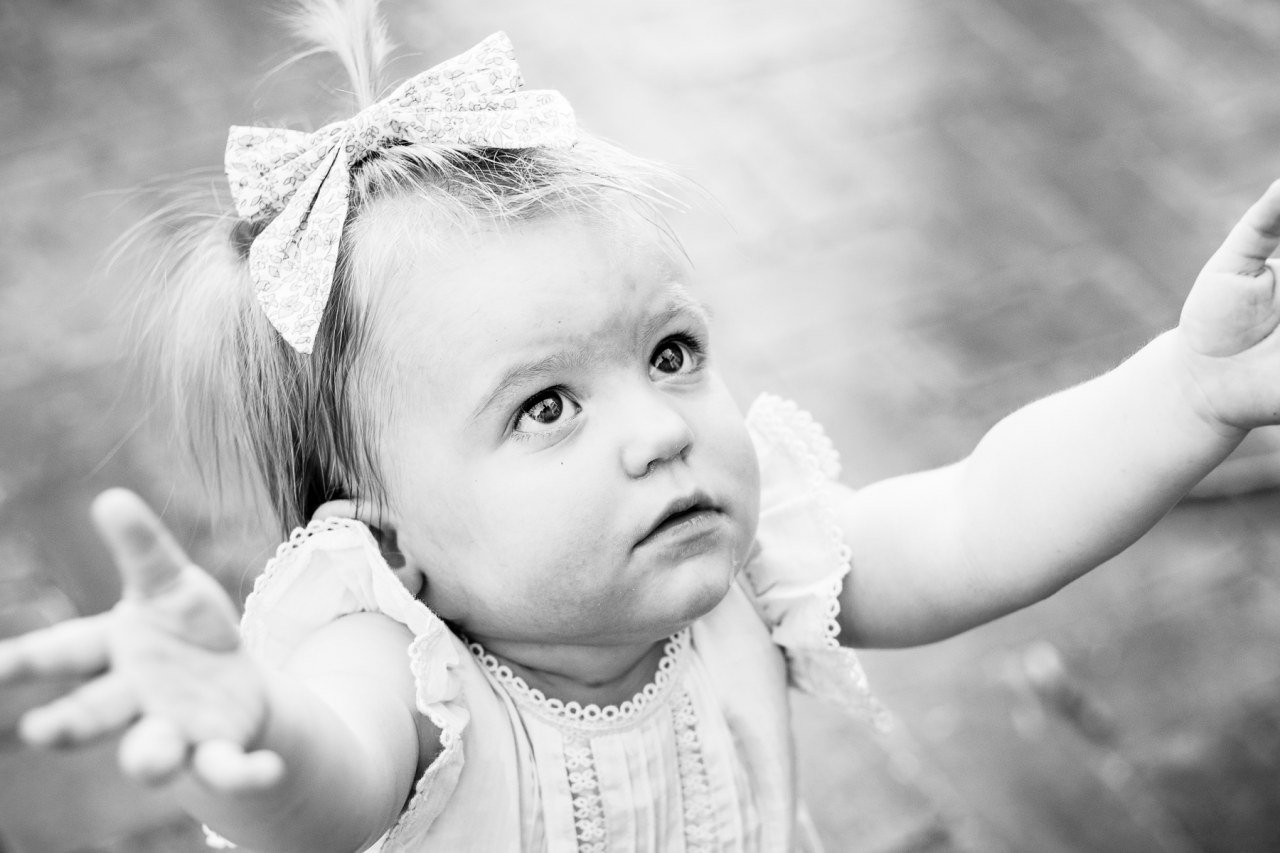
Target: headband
[304,179]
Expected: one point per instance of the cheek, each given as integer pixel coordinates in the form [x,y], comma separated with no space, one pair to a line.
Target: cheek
[745,470]
[442,517]
[547,544]
[511,518]
[725,435]
[548,513]
[444,527]
[748,466]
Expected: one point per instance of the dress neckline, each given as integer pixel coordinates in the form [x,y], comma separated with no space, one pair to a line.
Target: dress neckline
[574,713]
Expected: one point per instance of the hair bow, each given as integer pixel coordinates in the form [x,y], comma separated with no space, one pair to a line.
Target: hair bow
[304,178]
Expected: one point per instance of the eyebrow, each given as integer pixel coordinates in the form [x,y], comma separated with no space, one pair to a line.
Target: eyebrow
[680,303]
[565,360]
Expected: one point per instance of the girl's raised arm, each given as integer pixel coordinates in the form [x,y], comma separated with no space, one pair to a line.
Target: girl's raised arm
[1065,483]
[319,758]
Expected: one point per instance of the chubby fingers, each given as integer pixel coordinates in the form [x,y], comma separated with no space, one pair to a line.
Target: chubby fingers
[149,559]
[1253,239]
[77,647]
[154,751]
[226,767]
[161,586]
[93,710]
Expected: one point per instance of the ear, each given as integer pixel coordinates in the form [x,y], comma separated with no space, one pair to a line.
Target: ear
[384,532]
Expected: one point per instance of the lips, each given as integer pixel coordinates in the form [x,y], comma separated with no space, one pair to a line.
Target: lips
[682,513]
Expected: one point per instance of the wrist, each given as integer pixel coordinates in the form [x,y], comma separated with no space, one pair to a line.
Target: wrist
[1194,378]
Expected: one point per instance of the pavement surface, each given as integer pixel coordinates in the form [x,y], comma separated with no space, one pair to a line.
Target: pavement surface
[929,214]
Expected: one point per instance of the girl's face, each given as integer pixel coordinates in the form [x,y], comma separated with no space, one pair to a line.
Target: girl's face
[567,466]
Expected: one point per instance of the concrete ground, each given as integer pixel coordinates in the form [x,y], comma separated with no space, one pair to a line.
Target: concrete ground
[931,213]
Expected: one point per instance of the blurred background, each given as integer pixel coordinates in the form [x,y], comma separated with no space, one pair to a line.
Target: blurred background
[930,212]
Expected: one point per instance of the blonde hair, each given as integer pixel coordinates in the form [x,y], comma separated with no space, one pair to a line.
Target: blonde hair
[263,421]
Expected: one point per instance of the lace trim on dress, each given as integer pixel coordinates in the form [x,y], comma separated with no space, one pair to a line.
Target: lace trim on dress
[268,588]
[431,654]
[798,573]
[259,597]
[299,590]
[577,714]
[783,423]
[584,786]
[695,788]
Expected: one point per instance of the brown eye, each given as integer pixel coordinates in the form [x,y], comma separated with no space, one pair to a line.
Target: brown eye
[547,410]
[545,413]
[673,357]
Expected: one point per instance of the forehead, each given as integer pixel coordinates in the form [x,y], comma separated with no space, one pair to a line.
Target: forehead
[556,268]
[561,282]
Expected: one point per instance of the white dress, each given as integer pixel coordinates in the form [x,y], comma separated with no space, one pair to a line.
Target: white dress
[700,760]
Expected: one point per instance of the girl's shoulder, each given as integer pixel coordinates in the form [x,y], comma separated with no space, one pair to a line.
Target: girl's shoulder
[799,561]
[796,571]
[781,430]
[330,569]
[298,610]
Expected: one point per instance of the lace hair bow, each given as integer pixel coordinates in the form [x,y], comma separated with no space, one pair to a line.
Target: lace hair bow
[304,179]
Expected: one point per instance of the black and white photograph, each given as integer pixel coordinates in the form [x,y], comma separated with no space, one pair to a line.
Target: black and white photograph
[659,427]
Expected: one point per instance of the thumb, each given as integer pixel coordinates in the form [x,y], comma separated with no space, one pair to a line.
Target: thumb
[146,554]
[160,583]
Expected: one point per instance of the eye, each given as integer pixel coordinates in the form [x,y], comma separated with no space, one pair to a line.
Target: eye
[546,412]
[678,354]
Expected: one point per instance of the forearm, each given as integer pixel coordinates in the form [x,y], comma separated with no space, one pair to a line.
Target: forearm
[1052,491]
[1070,481]
[339,792]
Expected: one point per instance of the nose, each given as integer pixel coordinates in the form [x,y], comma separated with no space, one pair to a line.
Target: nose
[656,432]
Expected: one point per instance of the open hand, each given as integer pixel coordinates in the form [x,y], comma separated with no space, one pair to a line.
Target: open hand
[1229,322]
[164,666]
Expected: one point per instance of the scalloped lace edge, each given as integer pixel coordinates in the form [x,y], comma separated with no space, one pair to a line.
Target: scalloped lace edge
[266,580]
[264,584]
[673,652]
[783,422]
[260,597]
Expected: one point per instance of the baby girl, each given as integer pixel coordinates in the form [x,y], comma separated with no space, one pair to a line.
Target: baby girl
[550,585]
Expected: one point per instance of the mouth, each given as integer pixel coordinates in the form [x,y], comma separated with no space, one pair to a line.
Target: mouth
[687,515]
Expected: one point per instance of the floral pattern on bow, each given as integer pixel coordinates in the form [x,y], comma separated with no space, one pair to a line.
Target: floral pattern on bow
[304,179]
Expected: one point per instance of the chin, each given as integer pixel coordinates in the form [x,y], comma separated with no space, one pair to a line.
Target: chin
[701,585]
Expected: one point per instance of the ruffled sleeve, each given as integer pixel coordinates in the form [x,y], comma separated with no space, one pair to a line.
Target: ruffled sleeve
[333,568]
[797,570]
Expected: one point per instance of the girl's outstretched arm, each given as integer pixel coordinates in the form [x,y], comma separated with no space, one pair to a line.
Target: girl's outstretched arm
[321,757]
[1065,483]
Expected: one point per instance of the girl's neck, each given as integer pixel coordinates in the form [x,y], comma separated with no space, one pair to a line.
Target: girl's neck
[588,675]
